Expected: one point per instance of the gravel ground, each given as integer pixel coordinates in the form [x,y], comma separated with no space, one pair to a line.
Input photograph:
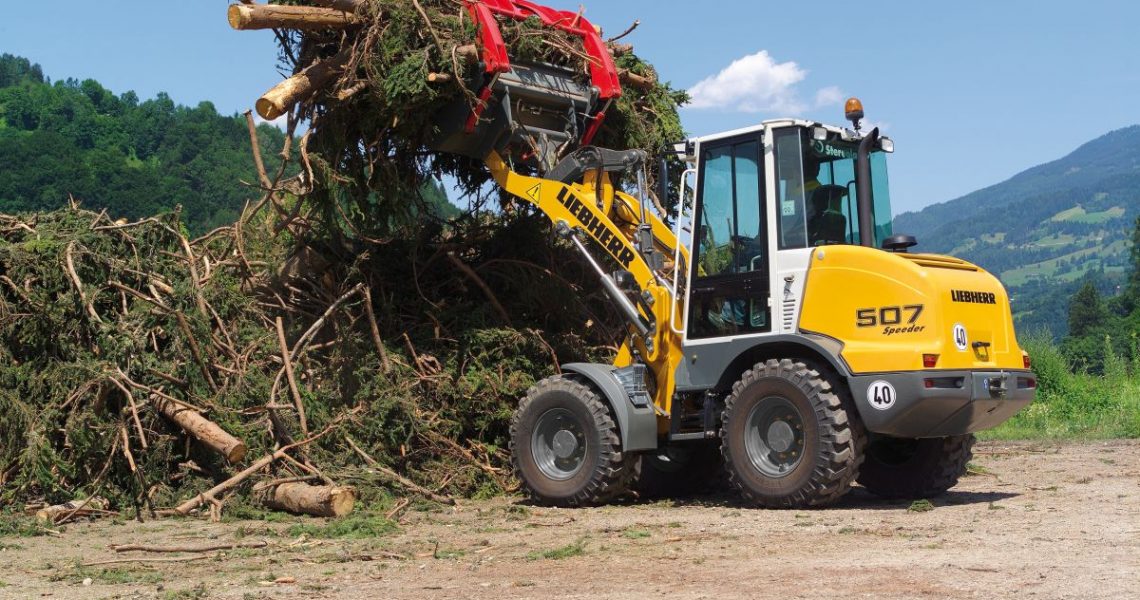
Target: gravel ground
[1041,520]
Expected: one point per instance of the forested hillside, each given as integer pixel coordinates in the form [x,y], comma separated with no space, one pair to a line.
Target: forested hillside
[1046,229]
[135,158]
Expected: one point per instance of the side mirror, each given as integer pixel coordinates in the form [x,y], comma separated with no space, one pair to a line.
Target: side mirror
[899,243]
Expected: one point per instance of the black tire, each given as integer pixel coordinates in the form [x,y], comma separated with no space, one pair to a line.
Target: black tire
[915,468]
[819,462]
[595,470]
[679,471]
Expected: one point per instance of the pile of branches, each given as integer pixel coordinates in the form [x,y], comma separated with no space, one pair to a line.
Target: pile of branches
[337,341]
[161,373]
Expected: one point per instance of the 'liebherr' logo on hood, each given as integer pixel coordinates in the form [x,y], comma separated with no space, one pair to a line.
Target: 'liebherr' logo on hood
[973,297]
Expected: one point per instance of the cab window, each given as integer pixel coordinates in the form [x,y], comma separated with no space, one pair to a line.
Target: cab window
[729,295]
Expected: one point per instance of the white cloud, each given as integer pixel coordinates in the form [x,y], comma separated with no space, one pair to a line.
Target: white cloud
[829,96]
[757,83]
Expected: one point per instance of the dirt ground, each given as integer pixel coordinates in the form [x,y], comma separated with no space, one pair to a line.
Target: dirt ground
[1039,520]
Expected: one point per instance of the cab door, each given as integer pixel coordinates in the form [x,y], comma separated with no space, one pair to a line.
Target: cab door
[729,294]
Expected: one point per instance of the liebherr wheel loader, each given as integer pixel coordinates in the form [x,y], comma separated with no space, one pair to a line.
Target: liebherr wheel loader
[779,318]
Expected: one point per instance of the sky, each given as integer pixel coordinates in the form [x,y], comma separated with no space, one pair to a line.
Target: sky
[972,91]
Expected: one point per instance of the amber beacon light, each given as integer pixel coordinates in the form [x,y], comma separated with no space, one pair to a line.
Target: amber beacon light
[854,110]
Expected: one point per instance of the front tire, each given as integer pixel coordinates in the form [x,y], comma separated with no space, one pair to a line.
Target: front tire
[565,447]
[787,438]
[915,468]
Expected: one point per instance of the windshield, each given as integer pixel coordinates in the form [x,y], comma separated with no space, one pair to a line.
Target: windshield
[815,185]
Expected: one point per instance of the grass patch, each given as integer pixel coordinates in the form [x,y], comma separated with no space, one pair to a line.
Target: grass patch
[1076,406]
[515,512]
[244,511]
[195,593]
[21,526]
[578,548]
[449,554]
[4,546]
[110,576]
[920,506]
[356,527]
[635,533]
[976,469]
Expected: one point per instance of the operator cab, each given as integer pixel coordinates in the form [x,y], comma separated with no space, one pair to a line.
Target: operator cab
[765,199]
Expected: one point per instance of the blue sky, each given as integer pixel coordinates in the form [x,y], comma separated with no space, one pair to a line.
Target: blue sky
[972,91]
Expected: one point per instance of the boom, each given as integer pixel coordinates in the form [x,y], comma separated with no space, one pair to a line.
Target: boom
[612,219]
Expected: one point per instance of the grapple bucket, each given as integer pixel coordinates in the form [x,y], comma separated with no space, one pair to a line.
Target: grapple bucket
[530,113]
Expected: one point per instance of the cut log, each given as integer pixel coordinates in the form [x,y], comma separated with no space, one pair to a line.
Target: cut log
[259,464]
[202,429]
[470,52]
[619,49]
[80,508]
[638,81]
[288,93]
[246,17]
[304,499]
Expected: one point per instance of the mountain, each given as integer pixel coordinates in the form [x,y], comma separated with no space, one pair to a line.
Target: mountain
[1047,228]
[134,158]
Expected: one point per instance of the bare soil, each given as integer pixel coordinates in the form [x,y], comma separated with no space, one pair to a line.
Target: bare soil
[1041,520]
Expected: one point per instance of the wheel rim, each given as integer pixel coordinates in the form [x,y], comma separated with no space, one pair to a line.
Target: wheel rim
[558,444]
[774,437]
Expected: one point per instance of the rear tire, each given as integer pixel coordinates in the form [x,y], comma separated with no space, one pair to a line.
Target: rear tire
[915,468]
[565,447]
[787,438]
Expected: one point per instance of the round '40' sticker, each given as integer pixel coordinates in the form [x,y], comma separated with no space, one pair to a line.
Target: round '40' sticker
[961,338]
[881,395]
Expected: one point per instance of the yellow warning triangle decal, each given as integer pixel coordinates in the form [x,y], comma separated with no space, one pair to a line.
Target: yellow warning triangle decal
[534,192]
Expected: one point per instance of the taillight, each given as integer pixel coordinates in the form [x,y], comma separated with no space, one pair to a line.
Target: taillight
[1025,359]
[929,361]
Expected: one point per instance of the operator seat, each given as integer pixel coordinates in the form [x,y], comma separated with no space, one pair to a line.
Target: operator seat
[827,223]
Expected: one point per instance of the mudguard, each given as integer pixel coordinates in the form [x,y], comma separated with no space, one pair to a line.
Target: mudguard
[637,425]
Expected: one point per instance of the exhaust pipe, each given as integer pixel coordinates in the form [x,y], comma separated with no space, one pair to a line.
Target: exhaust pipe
[865,202]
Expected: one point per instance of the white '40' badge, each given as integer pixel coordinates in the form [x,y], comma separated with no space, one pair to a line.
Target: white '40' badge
[961,339]
[881,395]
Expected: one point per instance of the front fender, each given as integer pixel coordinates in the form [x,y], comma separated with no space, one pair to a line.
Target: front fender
[637,425]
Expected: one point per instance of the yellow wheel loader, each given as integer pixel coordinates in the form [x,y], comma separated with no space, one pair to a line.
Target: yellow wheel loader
[778,329]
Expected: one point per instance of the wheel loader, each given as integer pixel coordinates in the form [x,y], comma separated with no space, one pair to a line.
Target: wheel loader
[778,329]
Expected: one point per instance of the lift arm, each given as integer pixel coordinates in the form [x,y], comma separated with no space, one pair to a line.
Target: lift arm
[612,222]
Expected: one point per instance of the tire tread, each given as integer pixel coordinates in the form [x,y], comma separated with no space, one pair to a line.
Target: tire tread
[614,470]
[841,434]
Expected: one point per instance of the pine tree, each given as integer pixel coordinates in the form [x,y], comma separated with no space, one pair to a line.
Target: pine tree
[1133,290]
[1086,311]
